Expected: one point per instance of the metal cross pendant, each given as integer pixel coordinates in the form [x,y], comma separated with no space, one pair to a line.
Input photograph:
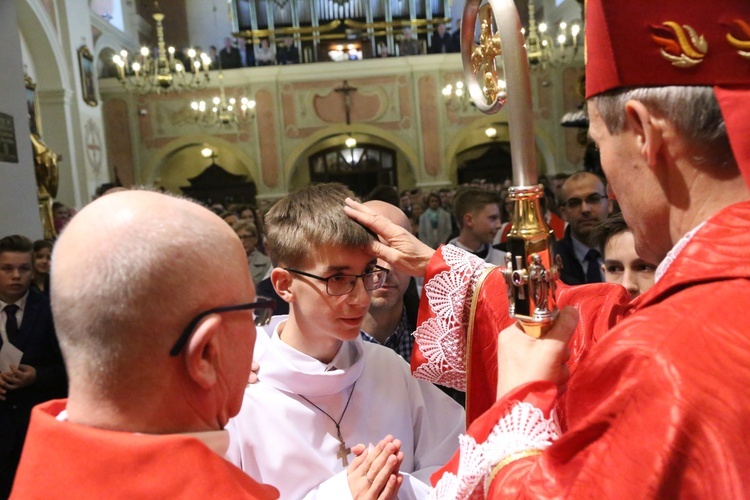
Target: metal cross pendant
[343,452]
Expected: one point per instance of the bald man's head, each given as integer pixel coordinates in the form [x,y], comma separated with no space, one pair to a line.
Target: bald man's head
[391,212]
[391,294]
[129,273]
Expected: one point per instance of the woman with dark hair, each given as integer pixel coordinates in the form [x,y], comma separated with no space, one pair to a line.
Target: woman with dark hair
[42,259]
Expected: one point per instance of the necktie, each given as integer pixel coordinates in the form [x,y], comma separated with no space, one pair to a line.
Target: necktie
[11,324]
[593,274]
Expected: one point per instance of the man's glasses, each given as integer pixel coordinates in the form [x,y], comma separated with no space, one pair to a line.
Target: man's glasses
[341,284]
[592,199]
[262,312]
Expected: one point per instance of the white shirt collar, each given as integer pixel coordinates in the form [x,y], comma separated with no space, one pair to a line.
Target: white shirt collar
[21,303]
[580,250]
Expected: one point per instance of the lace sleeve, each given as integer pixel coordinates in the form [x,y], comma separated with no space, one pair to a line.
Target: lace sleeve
[442,337]
[524,428]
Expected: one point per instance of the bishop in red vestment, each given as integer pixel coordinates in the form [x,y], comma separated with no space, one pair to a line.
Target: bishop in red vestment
[656,403]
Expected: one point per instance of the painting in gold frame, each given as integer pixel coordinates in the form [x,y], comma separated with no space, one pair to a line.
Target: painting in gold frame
[88,85]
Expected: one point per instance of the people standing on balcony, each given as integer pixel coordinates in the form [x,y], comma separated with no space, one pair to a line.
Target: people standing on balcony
[288,54]
[456,37]
[264,54]
[213,53]
[229,56]
[441,42]
[247,56]
[408,45]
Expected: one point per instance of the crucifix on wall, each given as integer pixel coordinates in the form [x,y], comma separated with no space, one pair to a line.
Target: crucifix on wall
[346,90]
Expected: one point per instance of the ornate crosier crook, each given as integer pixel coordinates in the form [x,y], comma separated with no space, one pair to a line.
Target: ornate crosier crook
[530,272]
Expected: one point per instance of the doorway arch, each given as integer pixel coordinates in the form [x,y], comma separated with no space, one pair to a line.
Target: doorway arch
[297,169]
[172,165]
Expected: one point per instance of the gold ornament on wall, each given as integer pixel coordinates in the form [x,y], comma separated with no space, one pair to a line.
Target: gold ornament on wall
[46,171]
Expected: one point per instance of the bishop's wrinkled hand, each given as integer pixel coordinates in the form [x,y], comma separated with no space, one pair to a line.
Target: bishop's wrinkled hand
[401,249]
[522,359]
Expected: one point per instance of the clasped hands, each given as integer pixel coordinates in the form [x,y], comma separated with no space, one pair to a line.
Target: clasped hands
[17,377]
[373,474]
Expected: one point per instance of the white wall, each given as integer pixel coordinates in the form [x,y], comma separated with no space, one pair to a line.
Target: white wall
[19,213]
[207,27]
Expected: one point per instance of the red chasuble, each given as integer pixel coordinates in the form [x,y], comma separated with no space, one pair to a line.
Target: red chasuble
[67,460]
[656,407]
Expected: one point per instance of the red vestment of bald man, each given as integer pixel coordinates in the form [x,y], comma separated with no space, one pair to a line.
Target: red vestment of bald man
[66,460]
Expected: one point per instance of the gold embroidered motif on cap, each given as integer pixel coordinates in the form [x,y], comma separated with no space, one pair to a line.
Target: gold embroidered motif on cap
[742,46]
[686,49]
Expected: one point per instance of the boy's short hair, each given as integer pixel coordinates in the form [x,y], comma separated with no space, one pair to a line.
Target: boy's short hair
[16,243]
[604,231]
[309,217]
[470,199]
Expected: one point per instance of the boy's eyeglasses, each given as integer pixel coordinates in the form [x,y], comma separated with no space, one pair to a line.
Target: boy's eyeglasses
[341,284]
[262,312]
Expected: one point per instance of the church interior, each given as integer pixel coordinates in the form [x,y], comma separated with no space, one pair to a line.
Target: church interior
[133,92]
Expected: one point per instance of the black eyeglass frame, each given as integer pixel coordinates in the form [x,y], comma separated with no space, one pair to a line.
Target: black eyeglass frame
[355,276]
[188,331]
[578,202]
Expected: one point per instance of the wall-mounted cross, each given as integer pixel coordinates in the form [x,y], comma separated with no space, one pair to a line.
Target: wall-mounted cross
[346,89]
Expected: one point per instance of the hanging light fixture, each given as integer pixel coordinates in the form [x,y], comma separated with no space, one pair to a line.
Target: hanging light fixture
[158,71]
[353,154]
[543,49]
[457,96]
[220,111]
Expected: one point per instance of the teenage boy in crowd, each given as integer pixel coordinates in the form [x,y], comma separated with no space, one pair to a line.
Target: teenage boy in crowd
[321,387]
[622,264]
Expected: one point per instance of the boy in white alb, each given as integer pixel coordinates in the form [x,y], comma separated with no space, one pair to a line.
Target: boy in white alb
[321,389]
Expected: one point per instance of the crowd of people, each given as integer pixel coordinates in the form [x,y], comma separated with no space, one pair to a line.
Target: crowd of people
[236,53]
[469,217]
[636,391]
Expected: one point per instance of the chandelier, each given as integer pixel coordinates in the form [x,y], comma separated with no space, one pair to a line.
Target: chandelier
[543,49]
[457,97]
[161,70]
[220,111]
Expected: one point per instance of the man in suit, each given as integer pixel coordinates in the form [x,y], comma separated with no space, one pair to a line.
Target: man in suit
[247,55]
[584,206]
[288,54]
[31,366]
[456,37]
[229,56]
[441,42]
